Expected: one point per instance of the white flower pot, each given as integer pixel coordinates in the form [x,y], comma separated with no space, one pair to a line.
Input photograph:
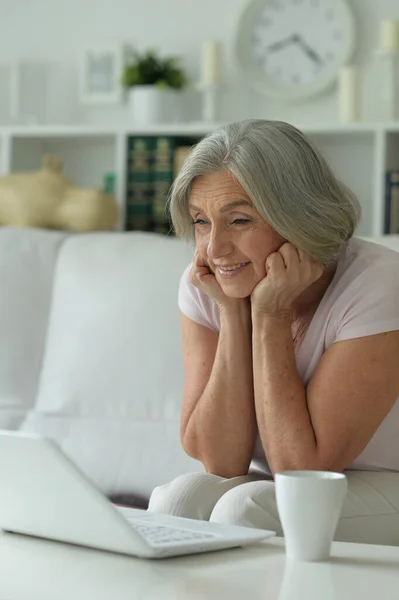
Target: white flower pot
[149,104]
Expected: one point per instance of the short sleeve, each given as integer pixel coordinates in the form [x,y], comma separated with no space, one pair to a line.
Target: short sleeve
[372,303]
[196,305]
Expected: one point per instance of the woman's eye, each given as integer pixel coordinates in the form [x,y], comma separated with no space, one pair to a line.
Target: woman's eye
[235,222]
[241,221]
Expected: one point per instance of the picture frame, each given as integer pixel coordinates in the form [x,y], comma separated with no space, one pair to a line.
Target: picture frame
[101,74]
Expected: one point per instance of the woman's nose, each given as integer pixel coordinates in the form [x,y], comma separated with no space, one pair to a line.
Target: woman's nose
[219,244]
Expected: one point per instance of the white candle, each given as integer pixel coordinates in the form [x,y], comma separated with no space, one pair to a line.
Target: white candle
[389,36]
[210,62]
[349,96]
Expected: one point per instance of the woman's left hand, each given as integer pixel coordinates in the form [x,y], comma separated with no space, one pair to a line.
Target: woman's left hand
[289,272]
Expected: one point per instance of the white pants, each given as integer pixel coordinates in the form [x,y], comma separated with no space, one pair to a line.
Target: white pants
[370,513]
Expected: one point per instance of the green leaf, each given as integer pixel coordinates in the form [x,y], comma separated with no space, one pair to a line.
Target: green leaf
[150,69]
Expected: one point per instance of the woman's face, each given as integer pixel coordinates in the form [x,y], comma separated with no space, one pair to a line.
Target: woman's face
[230,235]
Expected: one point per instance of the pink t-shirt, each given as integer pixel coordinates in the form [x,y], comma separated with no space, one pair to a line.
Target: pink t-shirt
[362,299]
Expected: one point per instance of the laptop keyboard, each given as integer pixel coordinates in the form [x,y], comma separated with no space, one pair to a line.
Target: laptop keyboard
[159,535]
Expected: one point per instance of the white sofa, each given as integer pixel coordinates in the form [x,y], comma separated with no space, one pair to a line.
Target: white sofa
[90,351]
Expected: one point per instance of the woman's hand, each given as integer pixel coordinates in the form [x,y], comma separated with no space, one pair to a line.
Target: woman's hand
[289,272]
[202,277]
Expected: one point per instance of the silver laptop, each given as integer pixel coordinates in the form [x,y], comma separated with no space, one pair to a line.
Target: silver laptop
[44,494]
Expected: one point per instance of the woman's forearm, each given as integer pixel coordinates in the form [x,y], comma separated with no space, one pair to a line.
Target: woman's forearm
[283,418]
[222,429]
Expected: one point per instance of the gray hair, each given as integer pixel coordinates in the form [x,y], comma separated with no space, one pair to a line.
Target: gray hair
[286,178]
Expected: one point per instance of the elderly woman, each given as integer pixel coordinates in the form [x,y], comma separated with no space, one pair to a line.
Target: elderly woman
[290,335]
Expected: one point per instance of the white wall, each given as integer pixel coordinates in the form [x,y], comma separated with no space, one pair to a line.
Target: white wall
[57,30]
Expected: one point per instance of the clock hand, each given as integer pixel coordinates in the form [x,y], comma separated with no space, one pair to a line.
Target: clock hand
[312,54]
[281,44]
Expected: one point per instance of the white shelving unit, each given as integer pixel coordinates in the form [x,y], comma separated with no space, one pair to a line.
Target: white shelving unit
[359,153]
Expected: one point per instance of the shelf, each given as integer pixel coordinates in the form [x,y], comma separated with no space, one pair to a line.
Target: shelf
[358,172]
[85,163]
[340,129]
[359,153]
[196,129]
[392,150]
[178,129]
[62,131]
[189,128]
[392,127]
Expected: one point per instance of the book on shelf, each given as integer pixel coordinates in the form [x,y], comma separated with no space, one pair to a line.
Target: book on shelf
[163,175]
[391,225]
[139,190]
[181,154]
[153,164]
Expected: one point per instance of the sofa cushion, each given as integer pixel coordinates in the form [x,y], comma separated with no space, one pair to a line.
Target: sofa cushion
[27,261]
[112,380]
[390,241]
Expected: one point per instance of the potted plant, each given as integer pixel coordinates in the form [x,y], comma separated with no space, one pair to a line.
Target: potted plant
[154,87]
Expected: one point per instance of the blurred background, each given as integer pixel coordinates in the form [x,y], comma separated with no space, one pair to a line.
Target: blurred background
[54,34]
[118,91]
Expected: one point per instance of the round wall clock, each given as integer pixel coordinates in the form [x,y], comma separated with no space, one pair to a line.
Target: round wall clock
[294,48]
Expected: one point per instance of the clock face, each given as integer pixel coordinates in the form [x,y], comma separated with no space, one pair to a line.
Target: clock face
[294,47]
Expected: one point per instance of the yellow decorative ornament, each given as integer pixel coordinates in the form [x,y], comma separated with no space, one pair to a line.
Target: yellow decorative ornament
[46,199]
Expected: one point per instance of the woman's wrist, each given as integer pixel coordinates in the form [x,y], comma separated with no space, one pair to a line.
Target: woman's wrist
[236,309]
[281,317]
[268,326]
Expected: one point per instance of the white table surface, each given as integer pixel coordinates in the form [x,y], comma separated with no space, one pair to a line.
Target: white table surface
[31,569]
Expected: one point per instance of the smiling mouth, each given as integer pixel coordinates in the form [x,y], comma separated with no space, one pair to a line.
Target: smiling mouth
[230,270]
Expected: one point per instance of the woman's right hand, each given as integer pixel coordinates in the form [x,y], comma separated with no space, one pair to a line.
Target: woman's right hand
[203,278]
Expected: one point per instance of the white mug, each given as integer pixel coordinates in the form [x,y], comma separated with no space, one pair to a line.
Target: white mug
[309,504]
